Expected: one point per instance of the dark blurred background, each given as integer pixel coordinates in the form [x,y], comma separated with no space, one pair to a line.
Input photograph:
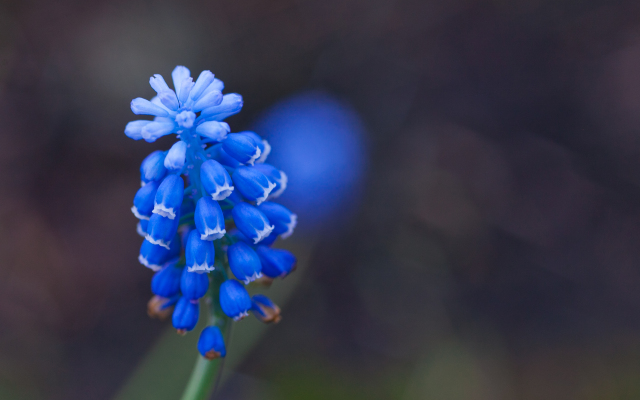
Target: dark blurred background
[475,237]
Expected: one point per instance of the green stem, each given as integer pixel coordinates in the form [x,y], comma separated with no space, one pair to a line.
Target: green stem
[202,378]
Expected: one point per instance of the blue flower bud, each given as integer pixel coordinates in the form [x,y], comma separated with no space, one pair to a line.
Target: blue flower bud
[216,85]
[215,180]
[185,90]
[153,256]
[185,316]
[252,184]
[213,130]
[141,106]
[264,146]
[158,84]
[211,343]
[204,80]
[161,230]
[166,282]
[210,99]
[283,220]
[241,147]
[144,200]
[193,285]
[231,104]
[199,253]
[264,309]
[161,307]
[217,153]
[156,129]
[209,219]
[169,196]
[244,262]
[276,176]
[251,222]
[234,300]
[179,74]
[276,263]
[141,227]
[152,167]
[134,129]
[169,99]
[176,157]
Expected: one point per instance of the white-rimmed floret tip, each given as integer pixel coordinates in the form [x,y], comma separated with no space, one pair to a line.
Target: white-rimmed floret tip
[252,184]
[169,196]
[209,219]
[199,254]
[251,222]
[215,180]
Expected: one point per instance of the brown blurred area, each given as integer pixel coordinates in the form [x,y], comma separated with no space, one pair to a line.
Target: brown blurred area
[494,255]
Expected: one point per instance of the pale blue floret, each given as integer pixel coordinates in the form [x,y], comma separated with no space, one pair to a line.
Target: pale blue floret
[169,196]
[252,184]
[244,262]
[251,222]
[152,167]
[200,254]
[234,300]
[215,180]
[176,157]
[213,130]
[209,219]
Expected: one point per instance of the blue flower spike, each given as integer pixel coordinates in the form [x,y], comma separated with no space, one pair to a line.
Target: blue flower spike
[208,178]
[251,222]
[244,262]
[211,343]
[234,300]
[264,309]
[185,316]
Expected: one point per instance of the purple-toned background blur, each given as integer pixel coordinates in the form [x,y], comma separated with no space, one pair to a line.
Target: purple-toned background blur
[474,208]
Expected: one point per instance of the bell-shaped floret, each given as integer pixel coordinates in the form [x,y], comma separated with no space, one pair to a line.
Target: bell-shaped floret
[234,300]
[169,196]
[242,147]
[185,316]
[158,84]
[166,282]
[217,153]
[244,262]
[209,219]
[179,74]
[213,130]
[283,220]
[215,180]
[156,129]
[231,104]
[144,200]
[199,253]
[209,99]
[141,106]
[211,343]
[204,80]
[141,227]
[193,285]
[169,99]
[134,129]
[152,167]
[264,146]
[251,222]
[276,263]
[276,176]
[264,309]
[153,256]
[252,184]
[161,230]
[176,157]
[185,90]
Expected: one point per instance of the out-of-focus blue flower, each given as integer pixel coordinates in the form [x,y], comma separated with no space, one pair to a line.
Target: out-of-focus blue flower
[193,285]
[264,309]
[169,196]
[199,253]
[185,316]
[166,282]
[252,184]
[211,343]
[244,262]
[209,219]
[152,168]
[234,300]
[215,180]
[320,142]
[283,220]
[251,222]
[276,263]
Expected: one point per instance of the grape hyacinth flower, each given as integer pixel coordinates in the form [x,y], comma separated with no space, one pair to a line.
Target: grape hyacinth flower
[208,183]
